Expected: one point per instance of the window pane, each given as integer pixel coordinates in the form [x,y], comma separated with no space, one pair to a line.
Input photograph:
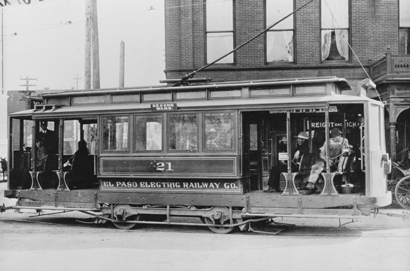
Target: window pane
[219,44]
[335,45]
[183,132]
[219,131]
[279,46]
[335,13]
[148,133]
[71,136]
[219,15]
[253,137]
[90,136]
[404,13]
[115,137]
[404,41]
[276,10]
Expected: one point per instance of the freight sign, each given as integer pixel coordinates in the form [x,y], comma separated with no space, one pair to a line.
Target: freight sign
[5,3]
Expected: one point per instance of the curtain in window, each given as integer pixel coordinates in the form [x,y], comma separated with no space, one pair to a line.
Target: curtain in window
[404,41]
[219,44]
[342,43]
[326,42]
[280,46]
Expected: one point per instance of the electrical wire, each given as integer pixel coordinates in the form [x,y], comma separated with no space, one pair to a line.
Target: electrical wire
[350,47]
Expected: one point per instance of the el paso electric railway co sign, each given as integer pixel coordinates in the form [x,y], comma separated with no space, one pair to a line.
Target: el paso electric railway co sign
[172,185]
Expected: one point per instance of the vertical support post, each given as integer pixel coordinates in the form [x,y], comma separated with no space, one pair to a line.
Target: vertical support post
[327,139]
[62,185]
[290,188]
[393,140]
[389,63]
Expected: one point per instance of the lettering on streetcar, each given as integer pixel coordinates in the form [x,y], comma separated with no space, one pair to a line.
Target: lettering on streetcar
[171,185]
[164,107]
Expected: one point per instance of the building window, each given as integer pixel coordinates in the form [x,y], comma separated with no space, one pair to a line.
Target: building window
[335,30]
[404,27]
[279,39]
[219,30]
[115,133]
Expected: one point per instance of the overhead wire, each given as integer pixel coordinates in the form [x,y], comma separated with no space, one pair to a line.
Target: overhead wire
[149,9]
[351,48]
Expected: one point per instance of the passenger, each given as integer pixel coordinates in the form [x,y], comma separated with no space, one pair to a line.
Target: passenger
[48,137]
[80,155]
[301,149]
[337,144]
[41,154]
[356,141]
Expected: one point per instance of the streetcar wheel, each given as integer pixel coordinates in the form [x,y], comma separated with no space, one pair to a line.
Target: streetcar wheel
[127,226]
[402,192]
[216,229]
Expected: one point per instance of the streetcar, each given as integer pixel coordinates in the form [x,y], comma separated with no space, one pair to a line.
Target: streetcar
[202,151]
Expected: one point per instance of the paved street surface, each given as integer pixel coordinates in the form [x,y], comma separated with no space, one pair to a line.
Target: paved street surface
[59,242]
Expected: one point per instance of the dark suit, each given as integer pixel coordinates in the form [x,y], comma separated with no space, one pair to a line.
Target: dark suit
[50,141]
[274,177]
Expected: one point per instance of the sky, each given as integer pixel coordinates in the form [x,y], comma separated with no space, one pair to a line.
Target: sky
[45,41]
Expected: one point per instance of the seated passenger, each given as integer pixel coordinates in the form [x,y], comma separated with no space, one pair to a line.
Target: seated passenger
[41,154]
[302,149]
[80,155]
[337,144]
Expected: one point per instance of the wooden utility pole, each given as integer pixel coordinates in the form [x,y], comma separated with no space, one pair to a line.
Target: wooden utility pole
[77,78]
[122,64]
[2,52]
[95,46]
[87,66]
[27,85]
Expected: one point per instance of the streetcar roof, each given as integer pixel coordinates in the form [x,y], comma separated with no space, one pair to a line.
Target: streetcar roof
[89,107]
[265,103]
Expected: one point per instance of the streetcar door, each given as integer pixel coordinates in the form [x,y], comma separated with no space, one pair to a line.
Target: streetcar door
[256,155]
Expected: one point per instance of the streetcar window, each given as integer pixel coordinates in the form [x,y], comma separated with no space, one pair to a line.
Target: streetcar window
[70,137]
[115,133]
[183,132]
[148,134]
[219,131]
[72,134]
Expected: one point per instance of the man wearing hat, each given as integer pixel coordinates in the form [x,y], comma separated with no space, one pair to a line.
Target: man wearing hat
[337,144]
[48,137]
[301,149]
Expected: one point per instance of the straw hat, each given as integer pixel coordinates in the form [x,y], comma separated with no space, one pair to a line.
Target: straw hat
[335,132]
[302,135]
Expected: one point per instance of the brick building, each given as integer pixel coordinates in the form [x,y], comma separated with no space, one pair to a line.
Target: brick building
[343,38]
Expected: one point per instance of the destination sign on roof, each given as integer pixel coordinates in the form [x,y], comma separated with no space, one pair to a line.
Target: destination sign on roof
[164,107]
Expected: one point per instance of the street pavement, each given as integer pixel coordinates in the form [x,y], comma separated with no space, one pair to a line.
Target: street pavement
[60,242]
